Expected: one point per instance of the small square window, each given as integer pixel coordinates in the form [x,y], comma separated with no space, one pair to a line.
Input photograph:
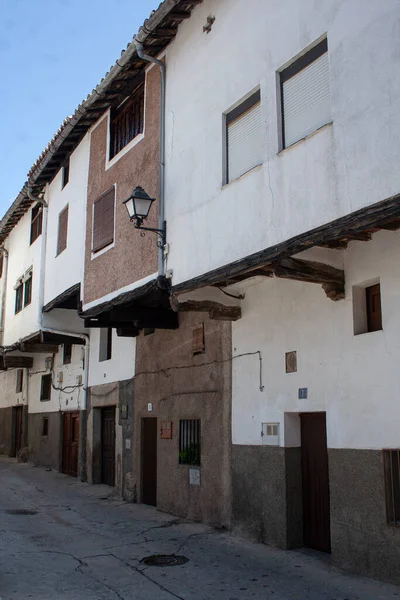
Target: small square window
[189,442]
[305,95]
[67,354]
[45,426]
[45,388]
[20,381]
[243,138]
[105,345]
[198,343]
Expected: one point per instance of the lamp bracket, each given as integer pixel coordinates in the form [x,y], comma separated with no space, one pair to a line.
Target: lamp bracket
[162,233]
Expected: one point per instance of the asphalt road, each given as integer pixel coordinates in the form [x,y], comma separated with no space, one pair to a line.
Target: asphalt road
[83,543]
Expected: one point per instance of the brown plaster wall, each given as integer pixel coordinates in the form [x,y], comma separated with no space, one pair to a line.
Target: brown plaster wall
[132,257]
[183,386]
[362,541]
[45,450]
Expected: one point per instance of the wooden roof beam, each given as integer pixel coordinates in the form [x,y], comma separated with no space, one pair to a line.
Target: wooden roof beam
[332,279]
[17,362]
[216,311]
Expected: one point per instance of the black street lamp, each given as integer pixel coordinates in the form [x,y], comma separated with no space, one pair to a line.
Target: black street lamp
[138,206]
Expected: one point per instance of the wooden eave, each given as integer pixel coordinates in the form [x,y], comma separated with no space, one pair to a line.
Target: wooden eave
[70,300]
[359,225]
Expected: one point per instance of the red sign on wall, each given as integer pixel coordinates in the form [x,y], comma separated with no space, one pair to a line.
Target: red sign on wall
[166,430]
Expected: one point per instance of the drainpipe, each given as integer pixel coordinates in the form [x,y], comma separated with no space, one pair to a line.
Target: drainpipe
[83,336]
[3,292]
[161,204]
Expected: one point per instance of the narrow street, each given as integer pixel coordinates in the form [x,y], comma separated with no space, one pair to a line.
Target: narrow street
[82,542]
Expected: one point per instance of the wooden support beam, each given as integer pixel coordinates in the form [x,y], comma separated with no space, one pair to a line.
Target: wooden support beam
[392,226]
[363,236]
[216,311]
[335,245]
[17,362]
[39,348]
[127,332]
[332,279]
[138,318]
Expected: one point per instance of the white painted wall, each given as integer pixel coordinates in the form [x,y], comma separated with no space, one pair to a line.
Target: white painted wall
[344,166]
[8,383]
[21,257]
[355,379]
[121,365]
[70,397]
[66,269]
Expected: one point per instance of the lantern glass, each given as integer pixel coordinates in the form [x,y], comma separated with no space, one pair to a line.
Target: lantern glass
[142,207]
[130,207]
[138,204]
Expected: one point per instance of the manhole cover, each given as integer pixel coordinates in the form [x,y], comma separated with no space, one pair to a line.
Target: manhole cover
[164,560]
[21,511]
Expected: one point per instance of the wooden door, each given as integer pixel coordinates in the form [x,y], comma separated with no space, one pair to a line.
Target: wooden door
[70,443]
[108,445]
[18,428]
[314,458]
[149,461]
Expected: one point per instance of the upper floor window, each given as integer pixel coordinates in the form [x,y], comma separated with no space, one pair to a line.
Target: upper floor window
[36,222]
[19,291]
[65,174]
[105,345]
[373,305]
[305,95]
[103,220]
[28,289]
[67,354]
[62,230]
[243,138]
[23,291]
[20,381]
[127,120]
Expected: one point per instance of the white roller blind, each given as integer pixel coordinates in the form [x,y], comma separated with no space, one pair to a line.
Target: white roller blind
[244,142]
[306,100]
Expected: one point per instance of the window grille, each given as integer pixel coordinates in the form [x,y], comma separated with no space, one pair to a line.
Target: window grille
[391,461]
[305,95]
[189,442]
[243,138]
[127,121]
[36,222]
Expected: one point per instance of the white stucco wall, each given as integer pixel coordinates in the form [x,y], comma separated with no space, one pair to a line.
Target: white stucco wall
[70,396]
[22,256]
[343,167]
[8,383]
[354,378]
[66,269]
[121,365]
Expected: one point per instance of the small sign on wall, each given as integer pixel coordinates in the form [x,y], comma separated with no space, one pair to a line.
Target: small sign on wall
[303,393]
[166,430]
[194,476]
[149,406]
[124,411]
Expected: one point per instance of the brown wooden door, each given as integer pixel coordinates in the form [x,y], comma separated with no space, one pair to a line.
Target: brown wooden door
[149,461]
[18,428]
[108,445]
[314,458]
[70,443]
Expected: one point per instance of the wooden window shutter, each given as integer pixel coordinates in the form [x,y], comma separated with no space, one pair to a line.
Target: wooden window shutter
[198,344]
[62,230]
[374,311]
[103,220]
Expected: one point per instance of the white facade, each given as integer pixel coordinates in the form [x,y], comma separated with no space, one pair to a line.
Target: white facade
[354,378]
[21,256]
[121,365]
[64,270]
[348,164]
[8,385]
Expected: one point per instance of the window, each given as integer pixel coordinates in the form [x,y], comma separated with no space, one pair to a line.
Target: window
[391,462]
[103,220]
[36,222]
[67,354]
[198,343]
[62,230]
[243,138]
[105,346]
[28,289]
[127,121]
[189,442]
[45,388]
[18,297]
[65,174]
[45,426]
[20,380]
[373,304]
[305,95]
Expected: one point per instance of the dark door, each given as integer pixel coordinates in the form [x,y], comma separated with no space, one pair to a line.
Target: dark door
[70,443]
[314,459]
[149,461]
[18,428]
[108,445]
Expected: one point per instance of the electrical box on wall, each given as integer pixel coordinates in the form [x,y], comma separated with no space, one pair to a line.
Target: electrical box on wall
[270,434]
[48,362]
[60,377]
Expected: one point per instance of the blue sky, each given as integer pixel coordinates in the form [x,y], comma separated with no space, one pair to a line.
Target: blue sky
[52,54]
